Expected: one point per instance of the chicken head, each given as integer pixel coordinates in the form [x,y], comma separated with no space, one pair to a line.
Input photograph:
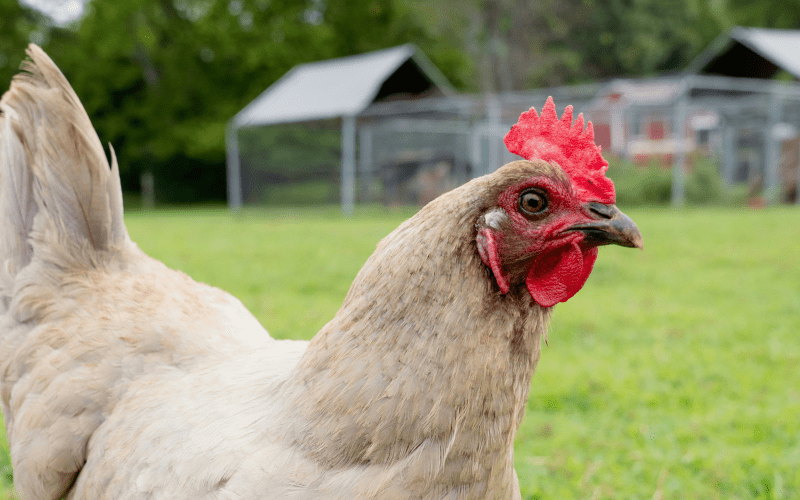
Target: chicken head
[544,228]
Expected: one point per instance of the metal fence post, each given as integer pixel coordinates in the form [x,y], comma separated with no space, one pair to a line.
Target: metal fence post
[493,118]
[679,156]
[475,151]
[348,181]
[797,180]
[728,151]
[365,166]
[617,128]
[234,167]
[771,187]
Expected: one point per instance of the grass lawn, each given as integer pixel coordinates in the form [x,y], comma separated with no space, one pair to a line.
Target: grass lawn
[674,374]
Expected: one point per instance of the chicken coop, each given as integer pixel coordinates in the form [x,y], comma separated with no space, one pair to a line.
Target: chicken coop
[296,143]
[399,145]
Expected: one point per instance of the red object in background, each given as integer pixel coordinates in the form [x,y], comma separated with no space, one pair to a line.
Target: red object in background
[656,130]
[602,135]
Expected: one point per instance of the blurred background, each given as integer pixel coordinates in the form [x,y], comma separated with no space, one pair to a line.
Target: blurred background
[692,101]
[672,375]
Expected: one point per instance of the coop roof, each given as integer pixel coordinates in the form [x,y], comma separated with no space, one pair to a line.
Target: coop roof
[751,53]
[345,86]
[654,91]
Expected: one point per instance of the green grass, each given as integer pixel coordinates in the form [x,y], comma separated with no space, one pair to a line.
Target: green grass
[674,374]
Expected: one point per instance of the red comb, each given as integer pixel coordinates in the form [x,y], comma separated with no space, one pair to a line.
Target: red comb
[570,146]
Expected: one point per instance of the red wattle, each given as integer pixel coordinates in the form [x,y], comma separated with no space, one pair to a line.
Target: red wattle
[490,255]
[557,275]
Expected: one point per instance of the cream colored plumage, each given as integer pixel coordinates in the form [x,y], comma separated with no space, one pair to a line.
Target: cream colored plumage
[123,379]
[89,321]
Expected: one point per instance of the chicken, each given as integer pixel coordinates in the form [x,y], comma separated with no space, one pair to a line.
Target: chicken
[123,379]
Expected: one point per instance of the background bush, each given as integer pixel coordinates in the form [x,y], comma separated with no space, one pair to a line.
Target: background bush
[651,183]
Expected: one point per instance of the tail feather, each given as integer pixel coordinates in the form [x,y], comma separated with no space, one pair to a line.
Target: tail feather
[60,210]
[53,166]
[17,208]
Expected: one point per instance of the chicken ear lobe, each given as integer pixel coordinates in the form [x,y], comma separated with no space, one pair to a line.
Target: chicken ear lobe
[488,248]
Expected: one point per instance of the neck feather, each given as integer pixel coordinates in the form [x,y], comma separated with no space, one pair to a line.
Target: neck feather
[424,350]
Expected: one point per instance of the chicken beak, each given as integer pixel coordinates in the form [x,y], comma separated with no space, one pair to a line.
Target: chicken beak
[611,227]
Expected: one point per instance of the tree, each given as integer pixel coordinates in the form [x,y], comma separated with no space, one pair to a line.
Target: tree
[782,14]
[161,78]
[18,26]
[520,44]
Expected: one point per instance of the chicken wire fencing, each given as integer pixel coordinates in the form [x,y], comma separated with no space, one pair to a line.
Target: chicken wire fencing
[409,152]
[290,164]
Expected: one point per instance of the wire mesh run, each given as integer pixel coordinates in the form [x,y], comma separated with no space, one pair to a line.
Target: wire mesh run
[411,151]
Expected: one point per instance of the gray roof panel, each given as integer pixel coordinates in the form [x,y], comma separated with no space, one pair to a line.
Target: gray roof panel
[330,89]
[742,52]
[781,47]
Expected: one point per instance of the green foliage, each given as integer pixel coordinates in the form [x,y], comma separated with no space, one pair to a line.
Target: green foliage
[640,185]
[629,39]
[783,14]
[163,83]
[704,182]
[161,78]
[651,184]
[307,193]
[18,25]
[523,44]
[514,45]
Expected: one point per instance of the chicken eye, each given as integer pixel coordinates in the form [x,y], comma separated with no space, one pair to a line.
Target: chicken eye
[533,202]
